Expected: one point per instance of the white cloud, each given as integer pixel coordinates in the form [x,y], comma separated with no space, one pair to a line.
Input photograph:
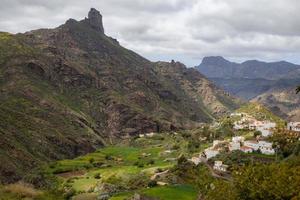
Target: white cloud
[189,30]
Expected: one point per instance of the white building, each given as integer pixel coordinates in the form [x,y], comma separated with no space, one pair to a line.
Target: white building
[263,146]
[238,139]
[210,153]
[266,148]
[239,126]
[219,166]
[293,126]
[266,128]
[234,146]
[236,114]
[246,149]
[252,144]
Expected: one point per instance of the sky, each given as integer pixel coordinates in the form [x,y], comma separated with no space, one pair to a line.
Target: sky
[183,30]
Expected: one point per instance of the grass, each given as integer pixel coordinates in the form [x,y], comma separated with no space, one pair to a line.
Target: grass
[84,184]
[21,191]
[176,192]
[261,113]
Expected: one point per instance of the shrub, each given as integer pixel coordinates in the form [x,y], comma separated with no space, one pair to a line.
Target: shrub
[108,157]
[140,165]
[98,164]
[151,162]
[158,170]
[91,160]
[97,176]
[152,183]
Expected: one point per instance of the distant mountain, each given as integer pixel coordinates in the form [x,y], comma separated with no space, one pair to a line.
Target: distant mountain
[68,90]
[218,67]
[257,81]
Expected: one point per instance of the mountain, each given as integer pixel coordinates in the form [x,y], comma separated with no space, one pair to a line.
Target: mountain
[283,102]
[69,90]
[271,84]
[218,67]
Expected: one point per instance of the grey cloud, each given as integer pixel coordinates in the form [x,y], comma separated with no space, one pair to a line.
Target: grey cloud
[187,30]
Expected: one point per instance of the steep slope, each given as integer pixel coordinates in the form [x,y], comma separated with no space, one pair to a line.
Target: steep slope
[69,90]
[283,102]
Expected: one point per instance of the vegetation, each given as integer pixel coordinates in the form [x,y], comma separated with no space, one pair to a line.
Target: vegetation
[261,113]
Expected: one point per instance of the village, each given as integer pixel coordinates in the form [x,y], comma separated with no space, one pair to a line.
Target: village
[255,144]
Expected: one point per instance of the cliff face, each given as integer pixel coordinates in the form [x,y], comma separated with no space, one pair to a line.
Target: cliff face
[69,90]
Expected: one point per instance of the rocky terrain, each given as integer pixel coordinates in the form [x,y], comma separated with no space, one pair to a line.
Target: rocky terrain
[68,90]
[272,84]
[284,103]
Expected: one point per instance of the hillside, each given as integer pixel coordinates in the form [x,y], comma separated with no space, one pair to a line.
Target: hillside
[270,84]
[218,67]
[250,78]
[260,112]
[69,90]
[282,102]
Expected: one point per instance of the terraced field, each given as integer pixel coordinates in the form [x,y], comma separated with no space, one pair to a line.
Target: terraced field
[124,170]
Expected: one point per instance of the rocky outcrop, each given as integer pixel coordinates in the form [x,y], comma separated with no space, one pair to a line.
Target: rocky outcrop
[95,20]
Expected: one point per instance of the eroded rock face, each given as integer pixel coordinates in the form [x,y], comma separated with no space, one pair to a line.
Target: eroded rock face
[95,20]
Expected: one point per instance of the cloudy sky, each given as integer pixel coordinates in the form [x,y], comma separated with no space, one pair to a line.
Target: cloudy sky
[184,30]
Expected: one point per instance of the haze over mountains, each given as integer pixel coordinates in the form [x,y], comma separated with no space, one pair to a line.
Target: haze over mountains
[69,90]
[270,83]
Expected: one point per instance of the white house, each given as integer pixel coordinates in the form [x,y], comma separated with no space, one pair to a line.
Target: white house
[252,144]
[293,126]
[266,148]
[219,166]
[238,139]
[246,149]
[210,153]
[236,114]
[234,146]
[266,128]
[239,126]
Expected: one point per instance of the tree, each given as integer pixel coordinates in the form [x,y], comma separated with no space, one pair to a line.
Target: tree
[298,89]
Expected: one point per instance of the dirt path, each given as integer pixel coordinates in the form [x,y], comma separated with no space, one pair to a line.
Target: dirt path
[158,174]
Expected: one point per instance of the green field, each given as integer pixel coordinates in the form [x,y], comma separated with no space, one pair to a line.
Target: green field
[177,192]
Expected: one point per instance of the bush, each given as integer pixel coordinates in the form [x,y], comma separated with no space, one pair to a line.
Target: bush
[151,162]
[175,147]
[97,176]
[158,170]
[140,165]
[98,164]
[108,157]
[152,183]
[91,160]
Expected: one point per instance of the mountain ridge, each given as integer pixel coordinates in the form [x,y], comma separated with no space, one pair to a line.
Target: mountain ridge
[69,90]
[214,66]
